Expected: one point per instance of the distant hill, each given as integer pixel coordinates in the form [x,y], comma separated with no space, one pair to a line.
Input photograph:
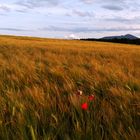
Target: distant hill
[125,39]
[127,36]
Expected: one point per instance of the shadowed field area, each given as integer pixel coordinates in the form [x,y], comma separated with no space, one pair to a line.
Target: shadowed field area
[40,82]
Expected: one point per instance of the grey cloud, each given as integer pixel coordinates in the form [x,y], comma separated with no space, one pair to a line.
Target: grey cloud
[13,29]
[106,29]
[112,7]
[116,5]
[4,8]
[86,29]
[102,1]
[135,20]
[2,14]
[22,10]
[83,13]
[37,3]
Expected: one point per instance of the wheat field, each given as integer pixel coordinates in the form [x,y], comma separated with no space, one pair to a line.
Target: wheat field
[40,82]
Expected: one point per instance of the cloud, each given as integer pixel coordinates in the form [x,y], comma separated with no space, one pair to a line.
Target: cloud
[87,29]
[127,20]
[22,10]
[87,1]
[83,13]
[4,8]
[37,3]
[103,1]
[112,7]
[12,7]
[13,29]
[2,14]
[71,36]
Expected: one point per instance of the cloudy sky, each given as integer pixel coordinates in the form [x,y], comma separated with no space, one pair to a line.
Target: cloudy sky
[70,18]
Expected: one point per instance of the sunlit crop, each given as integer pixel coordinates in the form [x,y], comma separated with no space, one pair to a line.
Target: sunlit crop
[68,90]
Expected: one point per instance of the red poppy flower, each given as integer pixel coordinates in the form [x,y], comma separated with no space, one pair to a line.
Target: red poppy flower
[91,97]
[84,106]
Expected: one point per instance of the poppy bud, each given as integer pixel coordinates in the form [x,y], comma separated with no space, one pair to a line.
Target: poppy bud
[91,97]
[80,92]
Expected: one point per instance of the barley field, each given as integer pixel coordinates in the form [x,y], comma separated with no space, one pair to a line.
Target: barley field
[68,90]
